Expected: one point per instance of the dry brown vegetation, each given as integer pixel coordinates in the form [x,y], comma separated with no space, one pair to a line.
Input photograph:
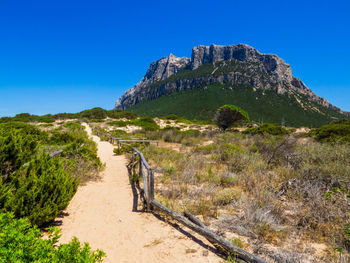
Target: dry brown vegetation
[287,201]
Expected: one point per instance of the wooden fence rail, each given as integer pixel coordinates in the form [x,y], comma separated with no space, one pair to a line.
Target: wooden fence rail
[189,220]
[119,141]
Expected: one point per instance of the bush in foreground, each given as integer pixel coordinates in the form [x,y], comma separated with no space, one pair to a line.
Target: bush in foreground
[20,242]
[32,184]
[39,191]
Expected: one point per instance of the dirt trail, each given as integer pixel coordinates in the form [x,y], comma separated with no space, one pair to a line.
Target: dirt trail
[101,213]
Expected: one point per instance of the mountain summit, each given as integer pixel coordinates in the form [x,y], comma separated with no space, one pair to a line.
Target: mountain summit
[233,67]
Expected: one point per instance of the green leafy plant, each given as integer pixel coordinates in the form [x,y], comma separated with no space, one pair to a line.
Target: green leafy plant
[20,242]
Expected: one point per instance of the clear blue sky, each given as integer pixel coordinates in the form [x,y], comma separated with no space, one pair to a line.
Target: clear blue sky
[66,56]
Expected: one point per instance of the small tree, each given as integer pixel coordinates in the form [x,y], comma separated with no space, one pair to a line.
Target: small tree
[228,115]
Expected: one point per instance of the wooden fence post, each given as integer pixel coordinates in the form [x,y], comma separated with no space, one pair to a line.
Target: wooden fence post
[134,166]
[145,183]
[151,185]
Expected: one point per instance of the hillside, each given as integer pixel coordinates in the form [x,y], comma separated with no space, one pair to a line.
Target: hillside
[267,106]
[260,83]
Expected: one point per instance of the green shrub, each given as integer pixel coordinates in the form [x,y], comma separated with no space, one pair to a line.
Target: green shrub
[18,142]
[95,113]
[120,114]
[61,138]
[170,117]
[26,117]
[64,116]
[119,133]
[147,124]
[124,148]
[73,125]
[267,128]
[32,184]
[39,190]
[73,132]
[334,132]
[20,242]
[119,123]
[118,151]
[227,115]
[341,121]
[199,122]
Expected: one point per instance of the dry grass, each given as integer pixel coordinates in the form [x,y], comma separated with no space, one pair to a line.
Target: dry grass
[270,189]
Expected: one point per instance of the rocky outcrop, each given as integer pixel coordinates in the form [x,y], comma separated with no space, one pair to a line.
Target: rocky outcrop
[158,70]
[241,52]
[163,68]
[250,68]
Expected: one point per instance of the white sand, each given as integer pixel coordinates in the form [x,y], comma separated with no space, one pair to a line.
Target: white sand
[101,213]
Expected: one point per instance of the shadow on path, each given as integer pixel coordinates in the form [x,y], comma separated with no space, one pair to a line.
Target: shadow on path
[56,222]
[137,193]
[189,235]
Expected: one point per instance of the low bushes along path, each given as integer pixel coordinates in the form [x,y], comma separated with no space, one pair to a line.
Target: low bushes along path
[101,213]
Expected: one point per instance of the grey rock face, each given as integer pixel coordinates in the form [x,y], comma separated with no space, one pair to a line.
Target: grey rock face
[280,71]
[241,52]
[261,71]
[158,70]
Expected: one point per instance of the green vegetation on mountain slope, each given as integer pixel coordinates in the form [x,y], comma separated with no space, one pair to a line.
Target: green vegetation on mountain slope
[262,106]
[220,68]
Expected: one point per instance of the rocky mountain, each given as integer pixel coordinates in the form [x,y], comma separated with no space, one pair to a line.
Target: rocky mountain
[235,66]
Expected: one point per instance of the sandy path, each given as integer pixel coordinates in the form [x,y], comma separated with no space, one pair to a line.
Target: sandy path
[101,213]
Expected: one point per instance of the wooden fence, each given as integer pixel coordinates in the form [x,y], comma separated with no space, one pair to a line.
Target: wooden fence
[146,173]
[187,219]
[119,141]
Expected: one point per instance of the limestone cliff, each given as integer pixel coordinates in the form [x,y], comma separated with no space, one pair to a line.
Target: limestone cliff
[234,64]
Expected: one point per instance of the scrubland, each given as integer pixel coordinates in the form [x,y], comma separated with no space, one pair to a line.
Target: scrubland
[279,193]
[283,194]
